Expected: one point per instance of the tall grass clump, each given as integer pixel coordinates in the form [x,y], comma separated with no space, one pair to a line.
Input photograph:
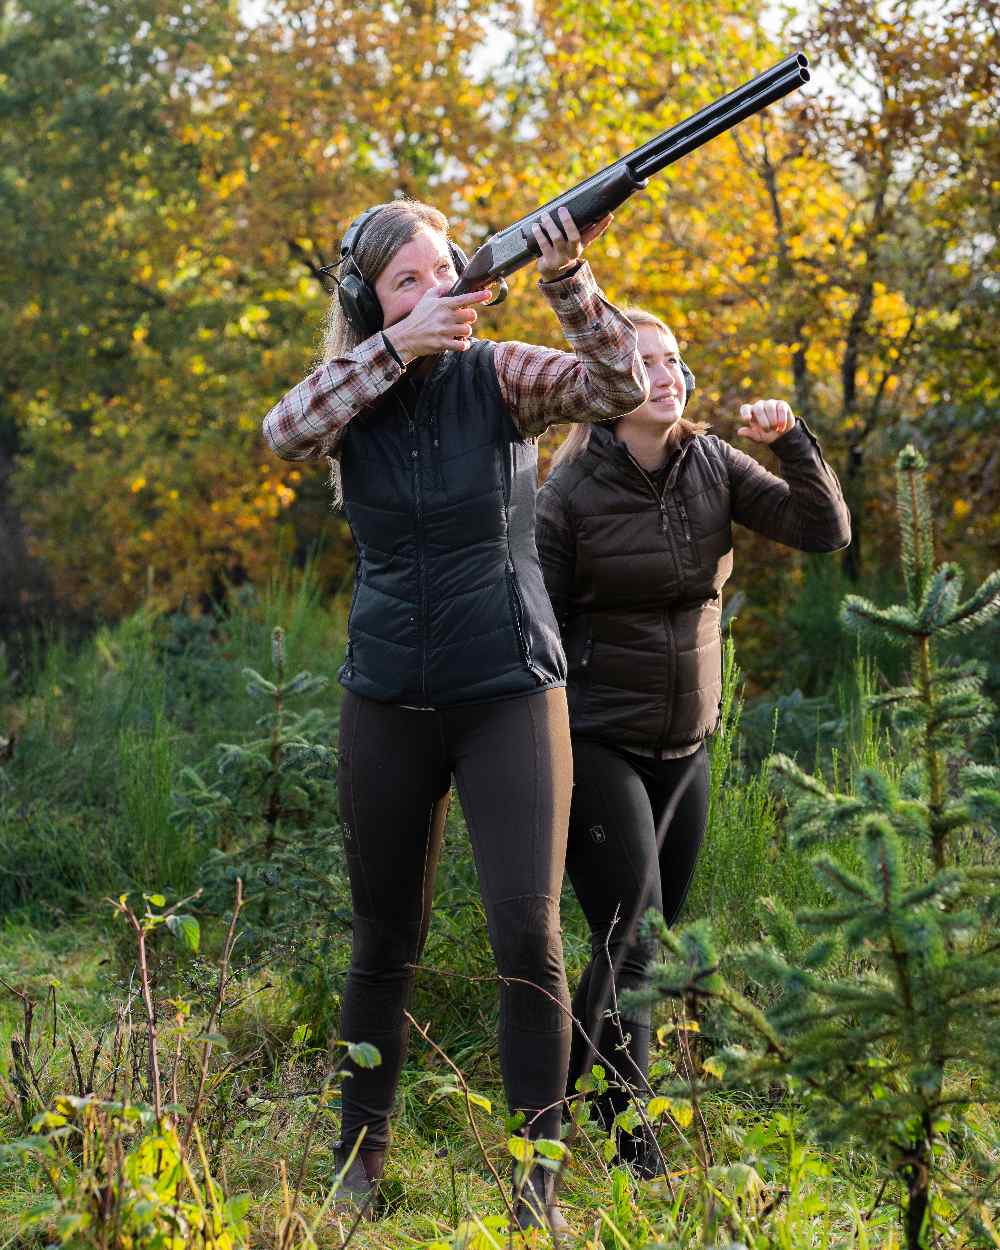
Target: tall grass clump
[747,851]
[102,731]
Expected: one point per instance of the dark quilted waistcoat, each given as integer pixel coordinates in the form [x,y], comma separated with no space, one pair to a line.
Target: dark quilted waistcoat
[635,576]
[449,604]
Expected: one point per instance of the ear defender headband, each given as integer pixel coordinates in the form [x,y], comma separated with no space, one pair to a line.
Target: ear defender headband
[357,296]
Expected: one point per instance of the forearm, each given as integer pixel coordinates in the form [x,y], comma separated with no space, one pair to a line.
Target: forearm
[310,419]
[823,520]
[603,376]
[805,507]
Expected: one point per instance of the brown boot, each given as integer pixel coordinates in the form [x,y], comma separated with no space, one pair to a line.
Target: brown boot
[358,1191]
[536,1206]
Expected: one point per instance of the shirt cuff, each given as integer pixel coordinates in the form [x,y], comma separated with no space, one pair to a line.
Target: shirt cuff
[570,272]
[577,286]
[382,365]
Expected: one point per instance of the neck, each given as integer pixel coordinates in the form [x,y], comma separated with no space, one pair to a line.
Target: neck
[647,447]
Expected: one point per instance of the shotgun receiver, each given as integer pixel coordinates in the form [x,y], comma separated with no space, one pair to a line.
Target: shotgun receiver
[514,247]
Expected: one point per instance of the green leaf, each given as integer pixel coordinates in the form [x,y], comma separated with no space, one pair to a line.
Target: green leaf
[521,1148]
[550,1149]
[364,1054]
[73,1222]
[157,900]
[186,930]
[679,1108]
[237,1207]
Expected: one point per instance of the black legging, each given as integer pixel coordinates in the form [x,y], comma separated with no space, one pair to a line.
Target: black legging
[619,803]
[512,764]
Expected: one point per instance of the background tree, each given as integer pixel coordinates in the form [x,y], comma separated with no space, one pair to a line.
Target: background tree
[174,179]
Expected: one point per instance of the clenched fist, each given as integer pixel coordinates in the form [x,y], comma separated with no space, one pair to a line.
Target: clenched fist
[765,420]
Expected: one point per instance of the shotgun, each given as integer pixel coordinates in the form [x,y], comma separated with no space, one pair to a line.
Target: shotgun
[514,247]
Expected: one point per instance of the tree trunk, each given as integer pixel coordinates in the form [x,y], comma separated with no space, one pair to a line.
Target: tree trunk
[25,594]
[854,495]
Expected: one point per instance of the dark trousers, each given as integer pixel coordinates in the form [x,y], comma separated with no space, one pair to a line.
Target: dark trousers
[621,802]
[512,764]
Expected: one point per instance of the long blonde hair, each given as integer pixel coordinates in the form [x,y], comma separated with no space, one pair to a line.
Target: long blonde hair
[578,439]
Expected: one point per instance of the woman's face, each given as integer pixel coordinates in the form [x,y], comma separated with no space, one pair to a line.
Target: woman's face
[422,263]
[661,356]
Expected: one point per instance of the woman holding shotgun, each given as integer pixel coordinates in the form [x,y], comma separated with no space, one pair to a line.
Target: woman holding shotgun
[634,534]
[454,664]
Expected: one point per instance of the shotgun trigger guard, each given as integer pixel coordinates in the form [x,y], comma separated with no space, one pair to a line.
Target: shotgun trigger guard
[502,293]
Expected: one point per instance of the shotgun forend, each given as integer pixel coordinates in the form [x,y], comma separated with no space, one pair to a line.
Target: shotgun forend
[514,246]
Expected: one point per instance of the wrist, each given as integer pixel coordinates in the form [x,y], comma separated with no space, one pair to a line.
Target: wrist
[557,275]
[398,345]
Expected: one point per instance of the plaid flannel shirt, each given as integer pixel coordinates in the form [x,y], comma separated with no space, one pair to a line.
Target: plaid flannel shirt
[602,377]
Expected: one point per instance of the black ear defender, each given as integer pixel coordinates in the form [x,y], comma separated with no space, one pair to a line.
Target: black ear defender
[357,297]
[689,382]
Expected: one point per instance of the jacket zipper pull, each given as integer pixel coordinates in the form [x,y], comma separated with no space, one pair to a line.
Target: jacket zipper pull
[684,518]
[663,519]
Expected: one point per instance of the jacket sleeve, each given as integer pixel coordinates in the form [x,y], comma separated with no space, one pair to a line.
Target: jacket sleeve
[556,544]
[804,508]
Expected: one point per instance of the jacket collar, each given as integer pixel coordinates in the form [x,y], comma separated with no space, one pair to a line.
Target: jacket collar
[604,446]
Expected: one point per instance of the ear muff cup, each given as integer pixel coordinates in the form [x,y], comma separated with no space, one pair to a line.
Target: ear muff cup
[689,382]
[358,301]
[357,297]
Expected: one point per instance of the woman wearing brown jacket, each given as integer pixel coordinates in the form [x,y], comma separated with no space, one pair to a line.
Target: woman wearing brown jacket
[634,531]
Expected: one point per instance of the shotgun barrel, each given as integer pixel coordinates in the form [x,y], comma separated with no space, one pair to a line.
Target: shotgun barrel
[514,247]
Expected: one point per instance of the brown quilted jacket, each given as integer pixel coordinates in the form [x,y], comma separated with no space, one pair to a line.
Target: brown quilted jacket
[635,577]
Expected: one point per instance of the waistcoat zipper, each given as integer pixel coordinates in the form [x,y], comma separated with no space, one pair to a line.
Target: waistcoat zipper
[418,503]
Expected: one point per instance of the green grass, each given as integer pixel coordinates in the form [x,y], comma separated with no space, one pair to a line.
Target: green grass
[85,812]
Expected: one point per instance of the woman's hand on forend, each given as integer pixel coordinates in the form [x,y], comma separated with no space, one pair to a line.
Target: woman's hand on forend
[765,420]
[561,245]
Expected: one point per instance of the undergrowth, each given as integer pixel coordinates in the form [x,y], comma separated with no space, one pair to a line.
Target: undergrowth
[94,805]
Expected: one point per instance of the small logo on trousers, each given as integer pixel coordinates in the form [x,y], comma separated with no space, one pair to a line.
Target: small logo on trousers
[597,833]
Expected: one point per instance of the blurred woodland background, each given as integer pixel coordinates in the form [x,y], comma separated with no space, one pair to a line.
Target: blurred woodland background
[172,175]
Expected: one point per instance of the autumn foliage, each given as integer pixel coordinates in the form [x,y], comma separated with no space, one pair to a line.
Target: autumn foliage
[172,176]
